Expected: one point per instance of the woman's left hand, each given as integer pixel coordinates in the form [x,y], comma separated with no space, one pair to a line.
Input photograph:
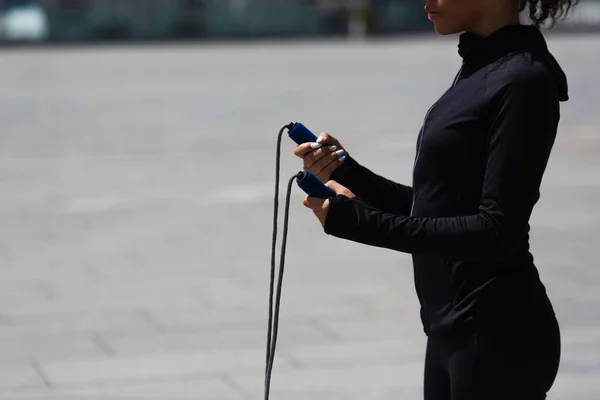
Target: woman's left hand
[321,206]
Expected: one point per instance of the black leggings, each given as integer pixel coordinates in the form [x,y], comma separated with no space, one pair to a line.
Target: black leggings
[517,361]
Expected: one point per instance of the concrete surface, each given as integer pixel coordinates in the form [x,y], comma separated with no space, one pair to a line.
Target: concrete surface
[136,215]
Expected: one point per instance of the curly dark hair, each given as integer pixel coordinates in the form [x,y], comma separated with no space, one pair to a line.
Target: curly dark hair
[542,11]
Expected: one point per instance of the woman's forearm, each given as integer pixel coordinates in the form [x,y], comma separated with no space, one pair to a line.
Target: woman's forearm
[375,190]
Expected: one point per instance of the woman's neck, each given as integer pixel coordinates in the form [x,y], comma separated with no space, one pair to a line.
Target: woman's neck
[486,26]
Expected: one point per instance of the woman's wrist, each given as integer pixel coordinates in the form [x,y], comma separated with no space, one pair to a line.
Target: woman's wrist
[342,173]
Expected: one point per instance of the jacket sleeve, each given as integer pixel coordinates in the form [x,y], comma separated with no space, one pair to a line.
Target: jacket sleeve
[521,135]
[375,190]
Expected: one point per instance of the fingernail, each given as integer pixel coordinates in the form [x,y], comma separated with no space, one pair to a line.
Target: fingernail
[342,158]
[316,145]
[332,148]
[320,139]
[340,152]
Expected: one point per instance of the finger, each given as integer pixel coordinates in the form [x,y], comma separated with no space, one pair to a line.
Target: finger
[314,203]
[333,185]
[305,148]
[322,174]
[311,159]
[328,139]
[328,170]
[320,165]
[336,187]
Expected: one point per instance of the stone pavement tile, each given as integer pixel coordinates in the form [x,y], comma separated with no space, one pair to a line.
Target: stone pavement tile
[302,289]
[309,293]
[371,329]
[394,305]
[21,289]
[383,393]
[47,347]
[580,335]
[13,299]
[222,316]
[580,349]
[580,359]
[350,380]
[571,288]
[19,376]
[574,312]
[51,323]
[200,363]
[249,336]
[576,386]
[293,312]
[357,352]
[209,389]
[106,299]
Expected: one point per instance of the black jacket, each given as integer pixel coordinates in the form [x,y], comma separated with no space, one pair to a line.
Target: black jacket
[481,154]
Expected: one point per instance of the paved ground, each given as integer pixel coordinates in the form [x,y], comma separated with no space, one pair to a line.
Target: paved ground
[136,221]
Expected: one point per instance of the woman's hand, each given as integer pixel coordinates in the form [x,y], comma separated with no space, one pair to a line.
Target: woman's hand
[323,157]
[321,206]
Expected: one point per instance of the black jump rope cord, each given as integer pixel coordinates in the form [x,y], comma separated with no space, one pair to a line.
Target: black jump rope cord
[274,319]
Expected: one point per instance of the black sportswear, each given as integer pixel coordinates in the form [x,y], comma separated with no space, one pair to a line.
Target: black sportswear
[481,155]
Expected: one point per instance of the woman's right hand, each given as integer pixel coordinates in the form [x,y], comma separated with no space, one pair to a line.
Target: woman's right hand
[323,157]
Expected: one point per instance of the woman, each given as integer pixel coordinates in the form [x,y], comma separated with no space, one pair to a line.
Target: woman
[481,154]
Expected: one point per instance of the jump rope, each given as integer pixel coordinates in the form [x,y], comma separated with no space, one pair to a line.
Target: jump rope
[312,186]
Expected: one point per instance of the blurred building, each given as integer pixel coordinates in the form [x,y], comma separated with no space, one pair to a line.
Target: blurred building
[98,20]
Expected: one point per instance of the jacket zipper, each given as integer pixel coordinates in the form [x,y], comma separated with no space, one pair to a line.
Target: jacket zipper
[420,139]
